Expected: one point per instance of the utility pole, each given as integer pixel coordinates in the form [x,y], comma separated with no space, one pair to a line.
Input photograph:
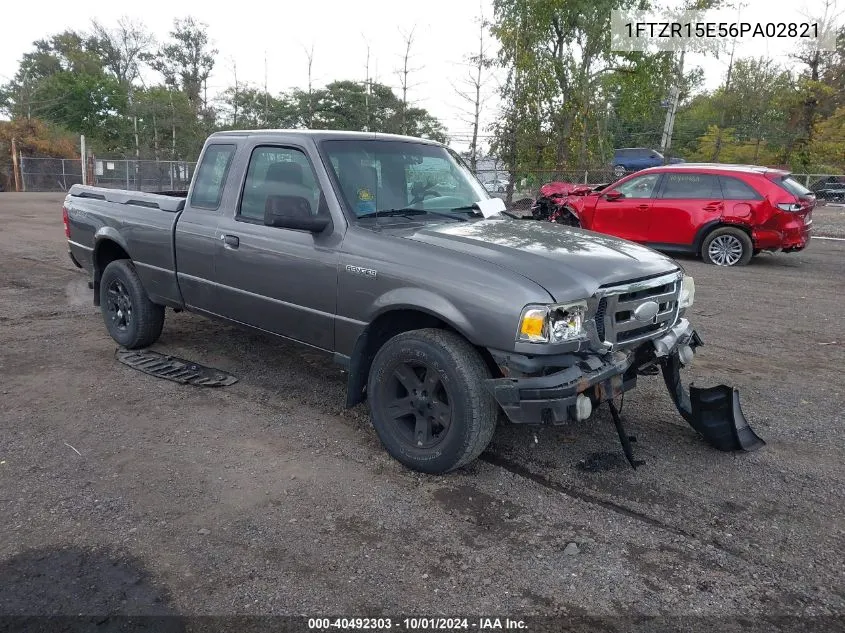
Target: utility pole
[15,166]
[718,145]
[309,54]
[367,92]
[172,127]
[666,141]
[84,156]
[266,96]
[235,99]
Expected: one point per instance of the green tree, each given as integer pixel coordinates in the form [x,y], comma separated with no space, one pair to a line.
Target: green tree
[828,146]
[257,109]
[755,107]
[122,49]
[87,104]
[187,60]
[346,105]
[563,75]
[66,52]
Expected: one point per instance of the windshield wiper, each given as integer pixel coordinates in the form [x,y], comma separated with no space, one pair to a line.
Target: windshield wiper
[393,212]
[474,208]
[409,211]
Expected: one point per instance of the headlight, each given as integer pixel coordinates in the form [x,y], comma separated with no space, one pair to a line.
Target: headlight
[555,323]
[687,293]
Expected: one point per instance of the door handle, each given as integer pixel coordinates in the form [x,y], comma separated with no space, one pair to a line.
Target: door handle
[713,206]
[230,241]
[643,206]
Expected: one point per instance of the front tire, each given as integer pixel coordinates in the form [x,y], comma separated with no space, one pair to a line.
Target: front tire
[568,218]
[727,246]
[132,320]
[428,401]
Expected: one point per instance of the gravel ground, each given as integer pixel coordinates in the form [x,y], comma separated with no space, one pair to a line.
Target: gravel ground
[829,220]
[122,493]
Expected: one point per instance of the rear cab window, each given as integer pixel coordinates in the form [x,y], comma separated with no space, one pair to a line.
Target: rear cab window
[211,176]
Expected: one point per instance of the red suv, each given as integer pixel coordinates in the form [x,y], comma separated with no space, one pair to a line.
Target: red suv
[725,213]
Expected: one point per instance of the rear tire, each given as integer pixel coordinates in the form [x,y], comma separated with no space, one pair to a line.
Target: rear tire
[428,401]
[727,246]
[131,319]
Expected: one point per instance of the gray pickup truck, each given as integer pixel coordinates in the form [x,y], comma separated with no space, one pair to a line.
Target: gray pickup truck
[386,252]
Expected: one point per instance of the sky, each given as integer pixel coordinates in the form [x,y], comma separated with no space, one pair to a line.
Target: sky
[445,34]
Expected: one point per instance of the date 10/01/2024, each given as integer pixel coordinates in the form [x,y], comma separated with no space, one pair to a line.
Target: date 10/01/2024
[416,624]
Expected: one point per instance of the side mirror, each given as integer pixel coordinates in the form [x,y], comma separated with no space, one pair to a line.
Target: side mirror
[293,212]
[610,196]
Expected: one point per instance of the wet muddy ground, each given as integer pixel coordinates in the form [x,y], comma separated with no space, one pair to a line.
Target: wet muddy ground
[120,492]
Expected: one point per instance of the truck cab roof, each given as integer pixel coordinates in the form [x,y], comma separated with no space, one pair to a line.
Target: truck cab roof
[324,135]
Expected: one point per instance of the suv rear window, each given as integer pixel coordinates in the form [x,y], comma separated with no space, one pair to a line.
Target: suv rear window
[735,189]
[690,186]
[793,186]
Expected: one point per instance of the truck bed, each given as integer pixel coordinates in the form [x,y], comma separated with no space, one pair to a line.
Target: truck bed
[171,201]
[141,224]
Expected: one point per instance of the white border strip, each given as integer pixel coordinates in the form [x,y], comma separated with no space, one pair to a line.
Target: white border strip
[835,239]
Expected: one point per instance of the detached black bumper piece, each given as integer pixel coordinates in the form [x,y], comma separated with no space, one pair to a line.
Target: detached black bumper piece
[173,368]
[552,399]
[714,412]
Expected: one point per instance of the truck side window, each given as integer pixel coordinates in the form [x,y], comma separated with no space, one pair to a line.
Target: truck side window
[278,171]
[211,176]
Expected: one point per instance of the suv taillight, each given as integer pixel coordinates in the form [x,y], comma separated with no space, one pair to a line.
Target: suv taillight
[790,206]
[66,222]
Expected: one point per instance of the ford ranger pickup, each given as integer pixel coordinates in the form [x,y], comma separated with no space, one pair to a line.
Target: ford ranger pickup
[388,254]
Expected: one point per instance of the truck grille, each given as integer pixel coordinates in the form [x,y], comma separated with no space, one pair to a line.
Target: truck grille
[616,321]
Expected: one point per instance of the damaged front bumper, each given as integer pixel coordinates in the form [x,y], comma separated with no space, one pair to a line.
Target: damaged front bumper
[570,394]
[559,397]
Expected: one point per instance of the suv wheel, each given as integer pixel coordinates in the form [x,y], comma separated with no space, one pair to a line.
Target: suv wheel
[131,318]
[568,218]
[429,404]
[727,247]
[618,171]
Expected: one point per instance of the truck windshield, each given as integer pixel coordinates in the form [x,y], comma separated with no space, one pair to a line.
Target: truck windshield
[377,177]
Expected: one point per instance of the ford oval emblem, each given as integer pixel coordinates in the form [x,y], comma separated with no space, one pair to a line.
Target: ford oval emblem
[646,311]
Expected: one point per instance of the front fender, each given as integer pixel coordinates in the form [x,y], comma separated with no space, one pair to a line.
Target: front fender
[428,302]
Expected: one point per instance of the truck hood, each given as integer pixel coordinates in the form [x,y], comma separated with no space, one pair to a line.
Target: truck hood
[571,264]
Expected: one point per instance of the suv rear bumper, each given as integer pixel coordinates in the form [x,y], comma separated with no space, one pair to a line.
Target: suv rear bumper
[790,233]
[552,399]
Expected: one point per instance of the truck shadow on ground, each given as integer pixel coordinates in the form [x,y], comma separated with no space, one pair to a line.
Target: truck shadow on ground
[73,589]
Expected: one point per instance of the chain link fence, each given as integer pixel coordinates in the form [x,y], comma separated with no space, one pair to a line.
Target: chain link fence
[50,174]
[60,174]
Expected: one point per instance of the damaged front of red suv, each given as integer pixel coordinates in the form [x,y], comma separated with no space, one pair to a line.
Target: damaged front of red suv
[563,202]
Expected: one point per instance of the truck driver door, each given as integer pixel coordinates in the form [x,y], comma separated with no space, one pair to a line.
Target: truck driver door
[278,279]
